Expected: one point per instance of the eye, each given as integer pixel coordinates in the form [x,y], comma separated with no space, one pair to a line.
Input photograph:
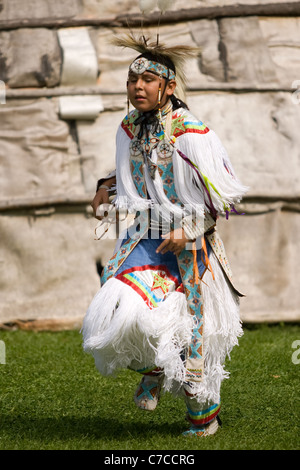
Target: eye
[132,78]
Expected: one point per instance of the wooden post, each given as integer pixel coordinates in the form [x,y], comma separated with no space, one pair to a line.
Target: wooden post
[174,16]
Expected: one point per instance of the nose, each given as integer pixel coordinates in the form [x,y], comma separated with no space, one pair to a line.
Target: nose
[139,83]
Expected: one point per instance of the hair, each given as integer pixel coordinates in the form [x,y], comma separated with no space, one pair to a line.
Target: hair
[172,57]
[178,103]
[167,62]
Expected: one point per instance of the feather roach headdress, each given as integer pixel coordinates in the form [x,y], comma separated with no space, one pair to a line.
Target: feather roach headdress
[172,57]
[167,62]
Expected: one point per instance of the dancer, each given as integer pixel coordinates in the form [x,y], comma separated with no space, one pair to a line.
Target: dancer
[167,307]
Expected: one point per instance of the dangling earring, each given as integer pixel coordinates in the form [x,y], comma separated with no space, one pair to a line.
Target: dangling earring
[127,104]
[159,100]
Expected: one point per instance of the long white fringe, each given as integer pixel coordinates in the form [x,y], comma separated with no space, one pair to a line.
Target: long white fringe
[127,195]
[211,158]
[119,330]
[222,328]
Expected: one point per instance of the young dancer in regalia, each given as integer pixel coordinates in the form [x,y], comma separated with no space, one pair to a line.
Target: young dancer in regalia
[167,307]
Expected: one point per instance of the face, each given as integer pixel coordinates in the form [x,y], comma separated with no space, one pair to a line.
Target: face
[143,90]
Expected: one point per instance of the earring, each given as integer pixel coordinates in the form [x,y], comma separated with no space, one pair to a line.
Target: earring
[159,101]
[128,104]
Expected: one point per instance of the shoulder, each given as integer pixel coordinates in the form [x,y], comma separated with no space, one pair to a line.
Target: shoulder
[128,125]
[184,122]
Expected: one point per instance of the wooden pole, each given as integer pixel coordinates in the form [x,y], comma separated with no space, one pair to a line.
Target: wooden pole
[287,203]
[41,202]
[175,16]
[232,87]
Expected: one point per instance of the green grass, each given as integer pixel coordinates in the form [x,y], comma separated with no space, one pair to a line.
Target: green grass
[52,397]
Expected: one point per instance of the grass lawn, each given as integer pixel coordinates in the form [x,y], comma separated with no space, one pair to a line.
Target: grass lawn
[52,397]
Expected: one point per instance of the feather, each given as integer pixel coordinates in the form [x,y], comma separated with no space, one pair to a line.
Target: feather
[165,5]
[178,55]
[146,6]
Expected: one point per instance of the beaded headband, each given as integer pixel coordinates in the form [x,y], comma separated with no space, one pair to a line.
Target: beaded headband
[141,65]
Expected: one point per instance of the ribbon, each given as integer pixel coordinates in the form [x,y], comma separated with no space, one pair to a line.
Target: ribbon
[233,209]
[206,183]
[146,121]
[205,259]
[189,162]
[195,266]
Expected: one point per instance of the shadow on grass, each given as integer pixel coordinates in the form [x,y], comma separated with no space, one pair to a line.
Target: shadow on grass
[67,428]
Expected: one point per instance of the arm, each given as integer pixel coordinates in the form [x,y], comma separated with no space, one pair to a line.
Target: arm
[174,241]
[102,194]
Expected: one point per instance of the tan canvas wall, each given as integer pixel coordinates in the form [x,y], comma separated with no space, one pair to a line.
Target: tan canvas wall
[244,85]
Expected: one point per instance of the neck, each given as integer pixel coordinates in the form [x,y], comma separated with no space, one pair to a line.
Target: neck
[165,109]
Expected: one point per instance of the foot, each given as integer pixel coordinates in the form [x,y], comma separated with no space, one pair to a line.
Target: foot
[202,431]
[147,394]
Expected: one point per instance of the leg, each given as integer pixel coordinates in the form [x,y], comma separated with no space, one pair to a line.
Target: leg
[147,394]
[202,416]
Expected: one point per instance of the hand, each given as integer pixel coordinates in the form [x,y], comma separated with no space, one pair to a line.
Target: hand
[174,241]
[101,197]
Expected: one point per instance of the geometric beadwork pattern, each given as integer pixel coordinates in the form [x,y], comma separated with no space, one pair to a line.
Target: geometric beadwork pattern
[120,256]
[195,359]
[138,175]
[128,123]
[152,283]
[165,170]
[219,250]
[202,417]
[181,125]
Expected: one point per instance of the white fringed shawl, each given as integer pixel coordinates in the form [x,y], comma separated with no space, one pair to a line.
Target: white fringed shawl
[204,150]
[127,195]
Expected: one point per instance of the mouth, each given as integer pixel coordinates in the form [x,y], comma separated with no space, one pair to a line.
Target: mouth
[140,98]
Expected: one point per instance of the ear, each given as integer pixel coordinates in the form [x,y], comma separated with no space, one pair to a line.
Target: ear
[171,87]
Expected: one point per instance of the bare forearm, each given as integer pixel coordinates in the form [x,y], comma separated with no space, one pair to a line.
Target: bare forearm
[102,195]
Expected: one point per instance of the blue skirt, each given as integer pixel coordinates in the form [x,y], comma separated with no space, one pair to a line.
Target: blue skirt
[153,275]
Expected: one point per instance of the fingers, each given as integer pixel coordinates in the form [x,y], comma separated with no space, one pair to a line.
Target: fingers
[101,197]
[177,251]
[169,245]
[163,247]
